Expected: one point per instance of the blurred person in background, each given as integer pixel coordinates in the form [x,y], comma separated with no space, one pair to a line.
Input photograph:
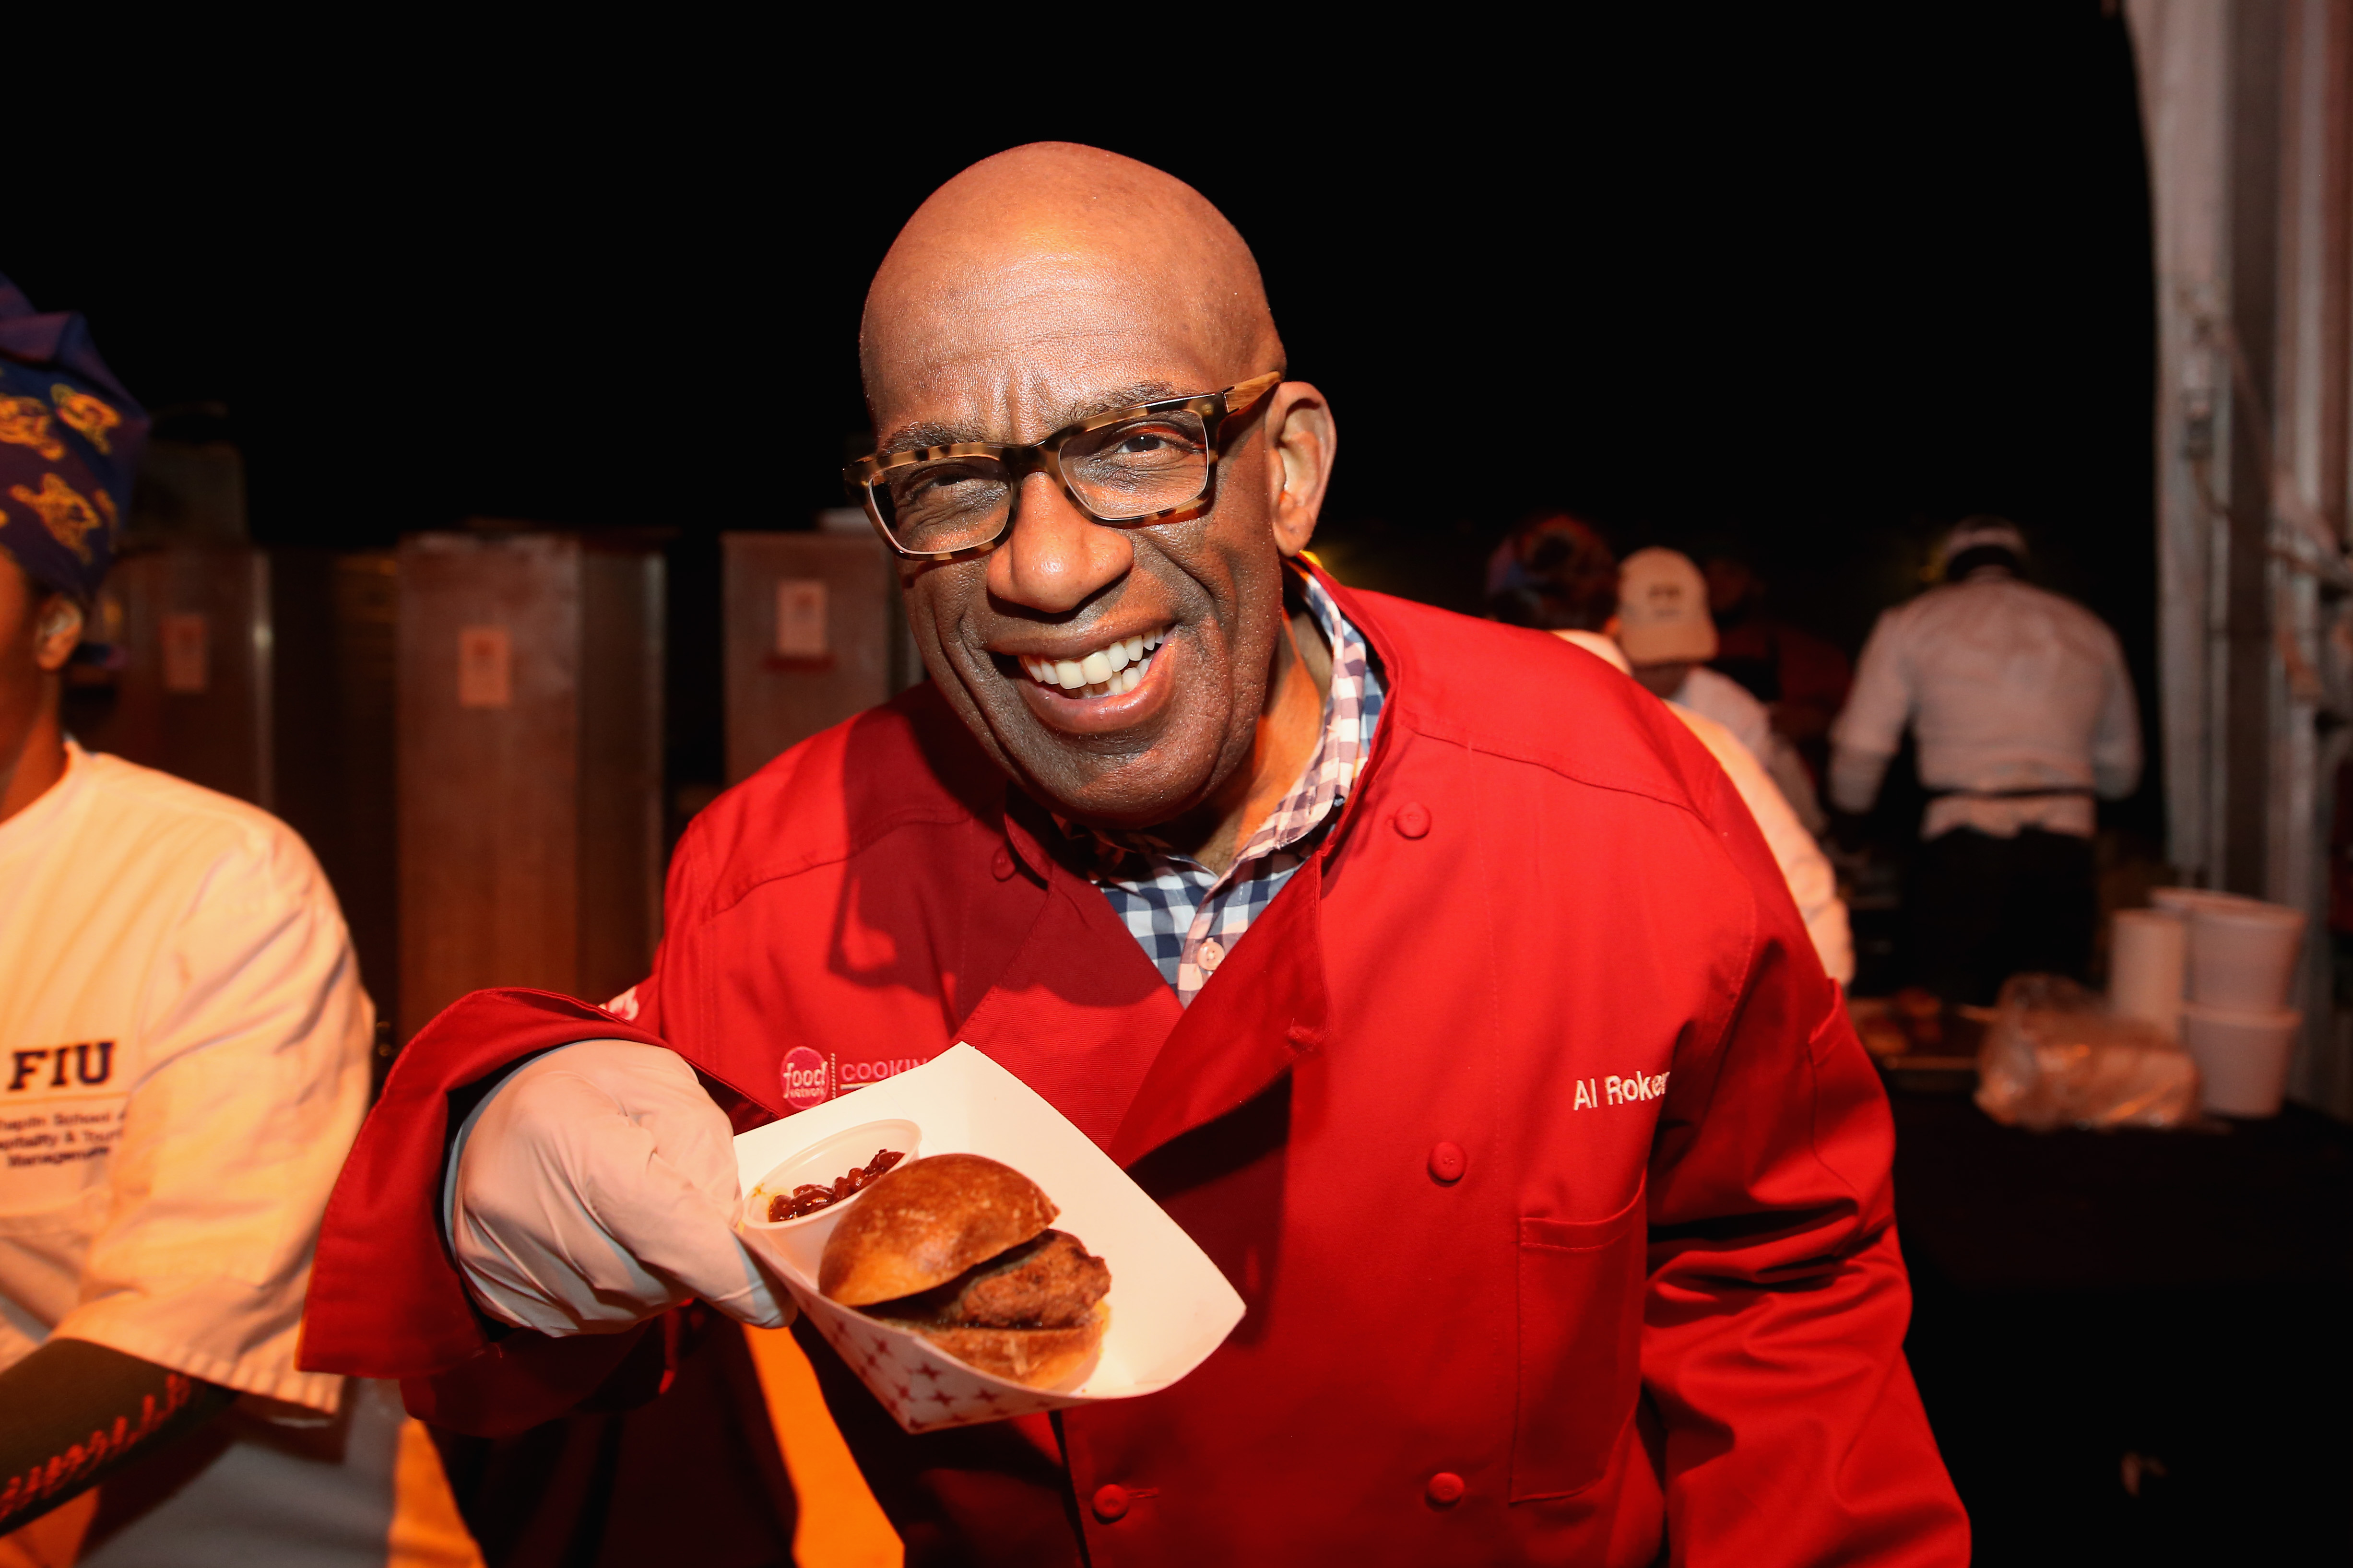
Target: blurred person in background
[1801,678]
[1568,583]
[1669,638]
[183,1062]
[1513,564]
[1562,576]
[2023,712]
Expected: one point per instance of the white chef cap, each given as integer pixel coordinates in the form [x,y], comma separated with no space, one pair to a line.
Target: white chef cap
[1979,533]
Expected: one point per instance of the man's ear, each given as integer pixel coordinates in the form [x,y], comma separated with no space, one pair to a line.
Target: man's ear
[1301,441]
[57,632]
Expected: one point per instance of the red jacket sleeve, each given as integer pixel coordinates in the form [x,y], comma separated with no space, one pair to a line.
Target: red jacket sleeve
[385,1299]
[1773,1334]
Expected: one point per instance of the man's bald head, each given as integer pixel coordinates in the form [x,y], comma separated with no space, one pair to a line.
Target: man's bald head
[1061,243]
[1049,285]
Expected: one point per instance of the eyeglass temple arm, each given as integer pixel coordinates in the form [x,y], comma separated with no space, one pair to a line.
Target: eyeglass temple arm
[1244,396]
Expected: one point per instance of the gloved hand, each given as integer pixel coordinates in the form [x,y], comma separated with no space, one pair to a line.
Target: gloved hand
[596,1189]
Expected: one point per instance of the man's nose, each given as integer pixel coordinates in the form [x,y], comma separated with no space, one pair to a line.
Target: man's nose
[1058,556]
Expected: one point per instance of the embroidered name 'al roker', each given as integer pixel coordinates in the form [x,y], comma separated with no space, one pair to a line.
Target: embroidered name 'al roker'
[1594,1092]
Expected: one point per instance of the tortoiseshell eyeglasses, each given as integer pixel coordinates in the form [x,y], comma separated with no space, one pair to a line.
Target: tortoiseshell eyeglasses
[1150,463]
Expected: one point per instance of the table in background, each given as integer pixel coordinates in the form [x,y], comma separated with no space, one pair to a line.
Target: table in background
[2169,1309]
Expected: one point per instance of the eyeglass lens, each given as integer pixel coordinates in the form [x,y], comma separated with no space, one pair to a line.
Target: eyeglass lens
[1152,463]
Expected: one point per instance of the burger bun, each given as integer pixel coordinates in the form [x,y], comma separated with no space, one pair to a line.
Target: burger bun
[927,1222]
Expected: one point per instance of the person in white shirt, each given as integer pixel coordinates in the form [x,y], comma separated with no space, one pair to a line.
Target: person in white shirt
[184,1053]
[2023,713]
[1569,583]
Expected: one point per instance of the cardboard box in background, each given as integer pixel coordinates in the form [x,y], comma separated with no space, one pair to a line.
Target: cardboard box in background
[530,764]
[814,633]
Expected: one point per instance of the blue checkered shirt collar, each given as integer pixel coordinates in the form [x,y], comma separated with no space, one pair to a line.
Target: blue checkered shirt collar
[1187,917]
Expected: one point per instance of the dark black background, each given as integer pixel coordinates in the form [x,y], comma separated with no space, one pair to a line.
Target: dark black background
[1810,284]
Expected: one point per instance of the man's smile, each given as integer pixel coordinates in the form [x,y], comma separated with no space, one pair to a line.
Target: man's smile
[1106,671]
[1094,690]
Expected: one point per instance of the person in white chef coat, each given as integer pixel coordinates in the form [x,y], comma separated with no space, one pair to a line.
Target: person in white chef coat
[2023,712]
[184,1063]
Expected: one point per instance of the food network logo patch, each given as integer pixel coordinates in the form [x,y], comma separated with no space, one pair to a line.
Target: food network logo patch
[811,1079]
[807,1079]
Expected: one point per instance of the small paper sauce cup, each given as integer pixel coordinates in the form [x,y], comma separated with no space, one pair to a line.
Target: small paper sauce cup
[826,1162]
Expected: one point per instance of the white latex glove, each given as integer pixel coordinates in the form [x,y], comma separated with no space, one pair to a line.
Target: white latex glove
[597,1188]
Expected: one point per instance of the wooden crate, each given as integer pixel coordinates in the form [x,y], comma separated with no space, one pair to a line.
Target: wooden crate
[334,619]
[530,765]
[191,690]
[814,633]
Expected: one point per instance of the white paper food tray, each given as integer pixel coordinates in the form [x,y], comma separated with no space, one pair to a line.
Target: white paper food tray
[1170,1307]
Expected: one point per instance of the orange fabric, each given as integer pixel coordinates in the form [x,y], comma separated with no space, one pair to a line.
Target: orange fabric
[840,1524]
[53,1540]
[426,1529]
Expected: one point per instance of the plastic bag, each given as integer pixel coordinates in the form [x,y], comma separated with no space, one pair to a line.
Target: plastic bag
[2054,1057]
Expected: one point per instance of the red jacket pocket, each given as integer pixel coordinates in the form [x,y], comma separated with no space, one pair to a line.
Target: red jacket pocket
[1581,1284]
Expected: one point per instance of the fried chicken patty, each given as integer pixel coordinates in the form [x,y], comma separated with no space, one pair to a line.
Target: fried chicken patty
[1048,1282]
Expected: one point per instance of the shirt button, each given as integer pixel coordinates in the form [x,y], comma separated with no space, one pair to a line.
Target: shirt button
[1448,1161]
[1000,865]
[1212,954]
[1412,820]
[1111,1501]
[1445,1489]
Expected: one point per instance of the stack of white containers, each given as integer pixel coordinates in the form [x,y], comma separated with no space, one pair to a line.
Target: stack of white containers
[2215,971]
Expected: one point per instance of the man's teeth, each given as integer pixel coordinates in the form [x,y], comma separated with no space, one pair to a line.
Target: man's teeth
[1109,670]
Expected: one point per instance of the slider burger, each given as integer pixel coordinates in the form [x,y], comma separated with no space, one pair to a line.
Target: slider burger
[957,1248]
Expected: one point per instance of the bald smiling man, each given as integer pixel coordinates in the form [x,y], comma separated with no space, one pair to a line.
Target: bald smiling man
[1425,970]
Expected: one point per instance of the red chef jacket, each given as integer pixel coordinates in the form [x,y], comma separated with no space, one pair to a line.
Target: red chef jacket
[1523,1119]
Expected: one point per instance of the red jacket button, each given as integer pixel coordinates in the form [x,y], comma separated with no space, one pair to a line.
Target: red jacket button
[1413,820]
[1445,1489]
[1001,865]
[1111,1501]
[1448,1161]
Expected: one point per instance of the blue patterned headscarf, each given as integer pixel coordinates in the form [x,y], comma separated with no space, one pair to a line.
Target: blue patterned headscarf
[69,442]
